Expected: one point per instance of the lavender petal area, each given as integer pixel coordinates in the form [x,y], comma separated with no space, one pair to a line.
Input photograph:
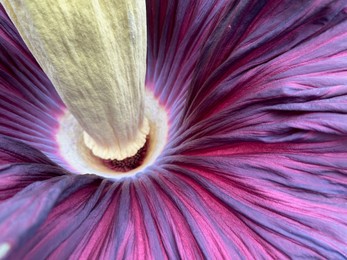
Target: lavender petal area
[29,104]
[254,165]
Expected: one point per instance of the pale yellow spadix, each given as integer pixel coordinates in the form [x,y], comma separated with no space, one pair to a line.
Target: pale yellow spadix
[94,52]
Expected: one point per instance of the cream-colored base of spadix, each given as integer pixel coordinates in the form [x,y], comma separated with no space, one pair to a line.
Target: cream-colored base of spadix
[79,159]
[113,151]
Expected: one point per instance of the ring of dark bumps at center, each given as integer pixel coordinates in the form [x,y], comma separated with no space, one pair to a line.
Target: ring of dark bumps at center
[129,163]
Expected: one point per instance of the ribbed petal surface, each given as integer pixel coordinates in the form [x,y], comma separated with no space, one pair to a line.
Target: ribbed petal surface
[255,164]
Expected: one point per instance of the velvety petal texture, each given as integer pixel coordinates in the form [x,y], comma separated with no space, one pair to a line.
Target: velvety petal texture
[255,162]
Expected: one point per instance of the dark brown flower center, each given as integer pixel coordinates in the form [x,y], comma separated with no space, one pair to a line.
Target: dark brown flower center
[129,163]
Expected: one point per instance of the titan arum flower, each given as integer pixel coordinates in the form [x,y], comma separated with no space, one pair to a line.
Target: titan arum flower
[222,134]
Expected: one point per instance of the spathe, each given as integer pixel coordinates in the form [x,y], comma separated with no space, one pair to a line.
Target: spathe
[255,161]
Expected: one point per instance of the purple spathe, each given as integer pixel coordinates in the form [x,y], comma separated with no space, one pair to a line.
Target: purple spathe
[255,164]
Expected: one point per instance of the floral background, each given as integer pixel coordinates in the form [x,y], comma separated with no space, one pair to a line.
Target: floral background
[255,162]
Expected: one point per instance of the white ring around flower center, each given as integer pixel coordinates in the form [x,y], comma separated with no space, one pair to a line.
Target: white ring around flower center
[80,159]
